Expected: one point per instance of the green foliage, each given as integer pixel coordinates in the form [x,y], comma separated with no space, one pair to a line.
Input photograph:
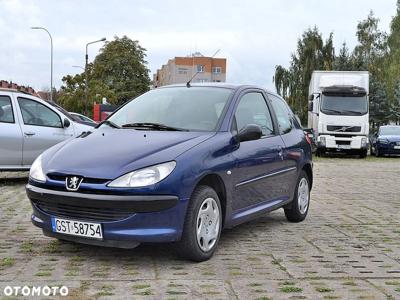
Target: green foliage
[121,66]
[375,52]
[311,54]
[118,73]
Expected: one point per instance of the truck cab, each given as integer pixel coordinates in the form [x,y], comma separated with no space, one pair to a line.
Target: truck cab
[339,112]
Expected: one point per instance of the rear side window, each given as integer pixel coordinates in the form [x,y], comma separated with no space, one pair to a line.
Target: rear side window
[6,110]
[283,114]
[35,113]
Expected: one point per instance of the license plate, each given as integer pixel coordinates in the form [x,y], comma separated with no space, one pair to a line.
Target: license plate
[77,228]
[344,146]
[396,147]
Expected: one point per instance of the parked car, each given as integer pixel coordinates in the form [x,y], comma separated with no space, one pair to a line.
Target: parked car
[28,126]
[175,164]
[386,141]
[83,119]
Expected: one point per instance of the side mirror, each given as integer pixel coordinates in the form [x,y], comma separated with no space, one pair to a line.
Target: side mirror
[310,106]
[66,123]
[249,133]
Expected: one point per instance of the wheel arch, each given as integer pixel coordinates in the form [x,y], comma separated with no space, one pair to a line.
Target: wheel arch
[215,182]
[308,169]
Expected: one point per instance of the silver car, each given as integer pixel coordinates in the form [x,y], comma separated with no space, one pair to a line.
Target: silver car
[30,125]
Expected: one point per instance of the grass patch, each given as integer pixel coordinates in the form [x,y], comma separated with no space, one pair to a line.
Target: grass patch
[141,286]
[7,262]
[43,274]
[323,290]
[291,289]
[27,247]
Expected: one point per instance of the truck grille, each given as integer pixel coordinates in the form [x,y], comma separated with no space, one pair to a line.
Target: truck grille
[83,212]
[343,128]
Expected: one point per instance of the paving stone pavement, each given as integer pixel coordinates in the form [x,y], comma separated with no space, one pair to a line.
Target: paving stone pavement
[347,248]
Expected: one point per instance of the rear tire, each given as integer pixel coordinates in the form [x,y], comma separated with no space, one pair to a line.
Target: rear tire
[298,209]
[203,224]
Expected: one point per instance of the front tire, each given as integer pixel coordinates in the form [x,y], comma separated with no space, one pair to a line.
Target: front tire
[298,210]
[363,153]
[203,224]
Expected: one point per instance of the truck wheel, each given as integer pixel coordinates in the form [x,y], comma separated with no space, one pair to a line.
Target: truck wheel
[363,153]
[298,209]
[202,226]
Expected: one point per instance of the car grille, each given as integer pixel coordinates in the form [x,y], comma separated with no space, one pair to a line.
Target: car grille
[61,178]
[84,212]
[343,128]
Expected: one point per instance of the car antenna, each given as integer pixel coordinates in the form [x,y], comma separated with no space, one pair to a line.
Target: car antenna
[190,80]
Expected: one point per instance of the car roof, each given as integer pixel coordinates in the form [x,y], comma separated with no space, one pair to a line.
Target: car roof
[233,86]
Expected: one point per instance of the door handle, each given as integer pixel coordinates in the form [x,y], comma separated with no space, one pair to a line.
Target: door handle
[280,152]
[29,133]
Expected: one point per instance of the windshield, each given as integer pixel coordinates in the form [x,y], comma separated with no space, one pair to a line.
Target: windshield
[194,108]
[393,130]
[344,105]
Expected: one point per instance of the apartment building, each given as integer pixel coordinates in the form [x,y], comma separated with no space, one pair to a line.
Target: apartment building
[181,69]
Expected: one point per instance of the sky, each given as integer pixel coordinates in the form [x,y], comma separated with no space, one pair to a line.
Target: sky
[254,36]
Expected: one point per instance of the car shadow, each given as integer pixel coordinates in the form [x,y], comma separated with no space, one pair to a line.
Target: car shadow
[168,251]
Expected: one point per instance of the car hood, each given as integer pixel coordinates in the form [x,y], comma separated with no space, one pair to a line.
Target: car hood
[109,153]
[390,138]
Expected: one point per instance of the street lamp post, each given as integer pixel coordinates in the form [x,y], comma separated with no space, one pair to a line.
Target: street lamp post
[86,72]
[51,60]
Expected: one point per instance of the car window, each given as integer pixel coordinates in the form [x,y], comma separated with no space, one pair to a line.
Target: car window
[194,109]
[35,113]
[283,114]
[6,111]
[253,109]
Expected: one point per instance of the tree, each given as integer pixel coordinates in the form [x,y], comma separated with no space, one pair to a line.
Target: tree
[121,66]
[311,54]
[118,73]
[343,60]
[72,93]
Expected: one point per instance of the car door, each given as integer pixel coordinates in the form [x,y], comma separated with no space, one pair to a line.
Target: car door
[258,163]
[293,139]
[42,127]
[10,134]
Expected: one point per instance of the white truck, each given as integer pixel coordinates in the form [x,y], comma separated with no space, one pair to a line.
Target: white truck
[338,111]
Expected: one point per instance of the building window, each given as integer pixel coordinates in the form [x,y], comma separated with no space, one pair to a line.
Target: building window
[200,68]
[202,80]
[217,70]
[182,71]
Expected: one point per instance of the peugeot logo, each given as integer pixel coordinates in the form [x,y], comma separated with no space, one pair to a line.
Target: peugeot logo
[72,183]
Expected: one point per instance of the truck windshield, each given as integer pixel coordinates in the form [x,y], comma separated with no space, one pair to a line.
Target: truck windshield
[344,105]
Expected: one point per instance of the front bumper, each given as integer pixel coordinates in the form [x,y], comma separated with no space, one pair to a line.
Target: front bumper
[126,220]
[342,143]
[390,148]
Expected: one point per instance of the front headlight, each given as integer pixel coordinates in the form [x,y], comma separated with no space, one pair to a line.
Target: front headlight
[363,142]
[144,177]
[322,141]
[36,171]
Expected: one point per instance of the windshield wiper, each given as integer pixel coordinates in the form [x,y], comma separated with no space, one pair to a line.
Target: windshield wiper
[154,126]
[109,123]
[332,110]
[352,112]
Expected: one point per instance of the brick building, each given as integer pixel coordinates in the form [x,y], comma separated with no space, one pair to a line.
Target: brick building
[181,69]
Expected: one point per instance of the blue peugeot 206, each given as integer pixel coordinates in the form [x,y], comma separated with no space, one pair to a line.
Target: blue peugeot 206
[177,164]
